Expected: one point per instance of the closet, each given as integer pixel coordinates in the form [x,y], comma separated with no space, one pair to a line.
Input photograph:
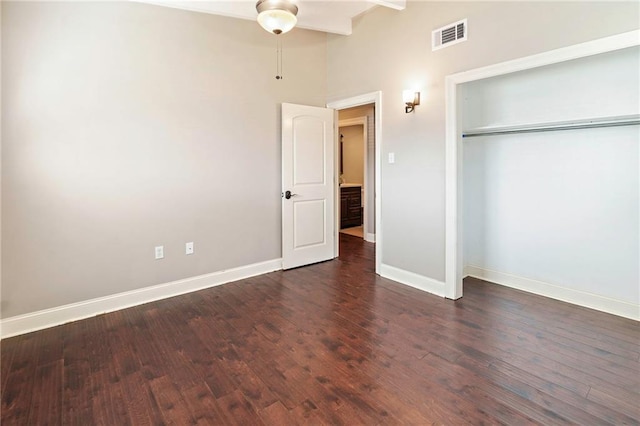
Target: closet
[551,177]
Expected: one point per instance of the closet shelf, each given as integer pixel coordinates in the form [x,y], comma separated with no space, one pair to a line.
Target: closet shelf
[621,120]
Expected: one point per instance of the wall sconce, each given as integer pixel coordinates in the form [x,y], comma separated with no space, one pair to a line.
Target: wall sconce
[411,99]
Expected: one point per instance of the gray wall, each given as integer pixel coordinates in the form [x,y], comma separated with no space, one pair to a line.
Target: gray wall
[390,51]
[127,126]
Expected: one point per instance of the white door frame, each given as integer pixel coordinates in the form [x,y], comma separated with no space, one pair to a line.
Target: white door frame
[366,99]
[453,150]
[362,121]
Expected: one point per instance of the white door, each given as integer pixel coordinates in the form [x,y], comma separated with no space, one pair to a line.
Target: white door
[308,188]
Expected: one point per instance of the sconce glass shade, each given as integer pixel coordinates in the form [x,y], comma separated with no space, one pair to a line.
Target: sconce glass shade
[408,96]
[277,16]
[410,99]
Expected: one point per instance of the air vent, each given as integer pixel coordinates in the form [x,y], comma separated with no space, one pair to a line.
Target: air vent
[449,35]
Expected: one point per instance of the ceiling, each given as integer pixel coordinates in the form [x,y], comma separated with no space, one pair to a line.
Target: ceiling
[330,16]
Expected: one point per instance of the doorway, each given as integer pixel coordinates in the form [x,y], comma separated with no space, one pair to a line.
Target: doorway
[359,116]
[356,169]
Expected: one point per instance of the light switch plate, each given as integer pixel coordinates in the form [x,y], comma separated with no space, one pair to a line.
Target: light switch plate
[188,248]
[159,252]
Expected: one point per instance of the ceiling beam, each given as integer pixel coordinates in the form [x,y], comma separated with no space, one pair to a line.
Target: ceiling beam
[330,16]
[392,4]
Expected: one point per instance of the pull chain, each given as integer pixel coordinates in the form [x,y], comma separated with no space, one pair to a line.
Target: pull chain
[278,59]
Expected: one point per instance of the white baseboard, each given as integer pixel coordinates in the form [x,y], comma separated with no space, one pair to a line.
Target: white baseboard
[577,297]
[46,318]
[412,279]
[370,237]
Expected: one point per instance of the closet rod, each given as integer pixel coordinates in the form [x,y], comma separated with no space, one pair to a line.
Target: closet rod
[625,120]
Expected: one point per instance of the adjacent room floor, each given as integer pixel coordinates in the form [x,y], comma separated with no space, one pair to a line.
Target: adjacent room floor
[330,343]
[356,231]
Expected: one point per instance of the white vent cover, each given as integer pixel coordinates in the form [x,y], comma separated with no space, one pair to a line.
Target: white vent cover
[449,35]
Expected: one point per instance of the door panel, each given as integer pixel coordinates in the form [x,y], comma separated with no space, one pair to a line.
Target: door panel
[308,228]
[309,164]
[310,223]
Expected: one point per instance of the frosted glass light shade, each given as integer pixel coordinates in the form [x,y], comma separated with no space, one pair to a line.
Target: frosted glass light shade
[277,16]
[277,21]
[408,96]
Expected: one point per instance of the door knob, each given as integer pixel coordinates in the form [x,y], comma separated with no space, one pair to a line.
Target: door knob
[288,194]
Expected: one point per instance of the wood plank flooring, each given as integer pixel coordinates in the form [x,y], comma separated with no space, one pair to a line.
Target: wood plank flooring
[331,343]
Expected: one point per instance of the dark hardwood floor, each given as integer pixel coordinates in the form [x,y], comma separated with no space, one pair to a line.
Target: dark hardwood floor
[331,343]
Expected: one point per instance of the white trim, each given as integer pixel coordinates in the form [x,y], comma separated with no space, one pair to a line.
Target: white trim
[413,280]
[365,99]
[336,184]
[370,237]
[392,4]
[46,318]
[357,121]
[554,291]
[453,235]
[453,148]
[582,50]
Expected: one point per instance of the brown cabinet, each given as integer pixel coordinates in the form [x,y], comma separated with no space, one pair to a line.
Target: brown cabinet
[350,206]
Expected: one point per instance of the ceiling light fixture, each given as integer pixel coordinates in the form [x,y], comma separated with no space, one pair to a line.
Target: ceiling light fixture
[277,16]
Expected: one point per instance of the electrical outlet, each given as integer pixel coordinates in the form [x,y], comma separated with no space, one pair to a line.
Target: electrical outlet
[159,252]
[392,158]
[188,248]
